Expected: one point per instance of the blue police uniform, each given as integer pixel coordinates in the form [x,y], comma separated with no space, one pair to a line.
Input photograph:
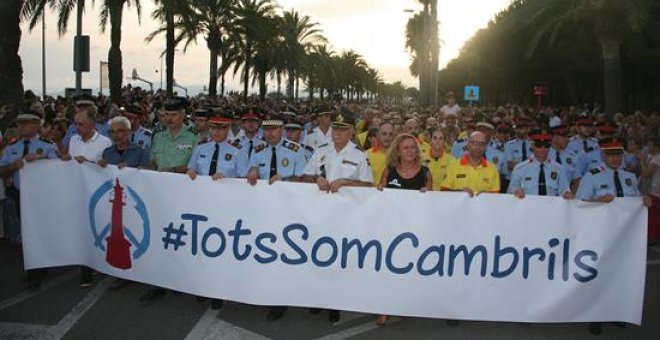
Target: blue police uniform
[459,147]
[308,151]
[497,157]
[16,151]
[290,159]
[142,138]
[513,150]
[134,156]
[231,161]
[580,144]
[526,176]
[250,144]
[569,160]
[601,181]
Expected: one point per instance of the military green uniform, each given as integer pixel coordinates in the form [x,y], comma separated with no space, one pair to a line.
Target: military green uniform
[169,151]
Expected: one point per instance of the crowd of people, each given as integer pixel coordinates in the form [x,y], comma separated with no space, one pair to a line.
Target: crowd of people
[572,152]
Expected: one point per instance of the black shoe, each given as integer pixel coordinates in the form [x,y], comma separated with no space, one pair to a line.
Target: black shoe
[275,313]
[452,323]
[314,311]
[595,328]
[152,294]
[333,316]
[217,303]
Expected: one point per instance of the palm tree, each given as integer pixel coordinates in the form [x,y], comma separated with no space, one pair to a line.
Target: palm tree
[11,69]
[111,10]
[167,13]
[300,35]
[213,20]
[319,70]
[611,22]
[255,26]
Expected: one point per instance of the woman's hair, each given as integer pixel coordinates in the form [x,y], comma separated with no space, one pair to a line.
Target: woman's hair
[393,154]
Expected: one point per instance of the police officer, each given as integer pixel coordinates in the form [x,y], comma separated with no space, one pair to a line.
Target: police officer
[565,157]
[28,147]
[539,175]
[459,147]
[201,119]
[337,164]
[140,135]
[518,149]
[294,134]
[278,159]
[583,142]
[607,182]
[171,149]
[321,134]
[218,158]
[250,139]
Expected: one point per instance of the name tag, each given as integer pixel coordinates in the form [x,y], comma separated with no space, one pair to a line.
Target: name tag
[528,178]
[604,186]
[344,161]
[460,176]
[181,147]
[202,156]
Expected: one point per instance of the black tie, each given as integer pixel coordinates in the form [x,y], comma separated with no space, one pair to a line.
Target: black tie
[557,158]
[250,149]
[617,185]
[273,163]
[542,189]
[26,147]
[586,146]
[214,160]
[524,151]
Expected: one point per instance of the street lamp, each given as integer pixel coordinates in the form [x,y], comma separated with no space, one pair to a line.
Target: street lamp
[180,87]
[135,76]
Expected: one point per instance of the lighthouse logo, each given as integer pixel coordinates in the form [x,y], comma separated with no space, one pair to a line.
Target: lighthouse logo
[118,237]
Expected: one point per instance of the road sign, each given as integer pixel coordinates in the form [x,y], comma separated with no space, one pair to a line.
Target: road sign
[472,93]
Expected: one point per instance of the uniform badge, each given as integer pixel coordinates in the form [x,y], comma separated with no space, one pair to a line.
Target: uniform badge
[285,162]
[322,158]
[40,152]
[460,175]
[629,182]
[553,175]
[228,156]
[486,180]
[369,163]
[569,160]
[528,178]
[604,186]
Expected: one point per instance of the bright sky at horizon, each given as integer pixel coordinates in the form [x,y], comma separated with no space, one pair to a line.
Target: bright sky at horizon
[373,28]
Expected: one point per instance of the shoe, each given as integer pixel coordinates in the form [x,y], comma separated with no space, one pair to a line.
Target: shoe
[314,311]
[333,316]
[118,284]
[451,323]
[217,304]
[382,320]
[275,313]
[152,294]
[595,328]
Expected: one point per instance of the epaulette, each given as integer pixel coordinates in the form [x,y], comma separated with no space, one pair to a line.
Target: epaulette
[357,147]
[512,141]
[324,145]
[460,140]
[291,146]
[259,147]
[147,132]
[309,148]
[310,131]
[14,141]
[596,171]
[236,143]
[45,140]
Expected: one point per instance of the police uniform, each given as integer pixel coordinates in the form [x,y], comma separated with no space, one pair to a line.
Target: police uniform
[231,161]
[142,138]
[518,150]
[579,144]
[526,176]
[317,138]
[250,144]
[289,159]
[168,150]
[307,150]
[20,148]
[458,147]
[569,160]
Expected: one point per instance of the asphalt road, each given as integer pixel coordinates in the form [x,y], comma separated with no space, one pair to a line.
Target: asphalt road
[62,310]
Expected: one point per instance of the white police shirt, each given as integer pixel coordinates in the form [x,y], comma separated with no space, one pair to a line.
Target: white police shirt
[348,163]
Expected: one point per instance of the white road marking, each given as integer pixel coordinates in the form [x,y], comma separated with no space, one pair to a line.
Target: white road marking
[209,326]
[55,332]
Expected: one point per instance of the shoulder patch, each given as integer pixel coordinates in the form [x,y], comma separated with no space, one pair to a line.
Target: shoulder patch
[45,140]
[193,130]
[595,171]
[357,147]
[291,145]
[260,147]
[147,133]
[309,148]
[236,143]
[14,141]
[324,145]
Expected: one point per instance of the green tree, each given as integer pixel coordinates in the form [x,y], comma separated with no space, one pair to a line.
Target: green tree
[11,69]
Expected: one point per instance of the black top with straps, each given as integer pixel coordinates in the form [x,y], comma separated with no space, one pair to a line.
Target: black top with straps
[396,181]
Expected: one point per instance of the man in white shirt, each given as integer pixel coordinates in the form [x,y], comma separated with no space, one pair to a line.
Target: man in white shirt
[88,144]
[322,134]
[451,108]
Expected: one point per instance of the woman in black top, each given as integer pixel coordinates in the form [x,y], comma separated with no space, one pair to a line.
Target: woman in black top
[404,166]
[404,171]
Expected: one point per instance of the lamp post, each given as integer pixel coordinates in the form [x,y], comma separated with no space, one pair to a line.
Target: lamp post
[43,55]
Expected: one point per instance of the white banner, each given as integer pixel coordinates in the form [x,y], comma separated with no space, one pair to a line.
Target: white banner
[444,255]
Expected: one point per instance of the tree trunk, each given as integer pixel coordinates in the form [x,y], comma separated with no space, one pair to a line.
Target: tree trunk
[169,50]
[222,84]
[279,82]
[213,73]
[11,69]
[611,54]
[297,87]
[289,84]
[115,71]
[262,85]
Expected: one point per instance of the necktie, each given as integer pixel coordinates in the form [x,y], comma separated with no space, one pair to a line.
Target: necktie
[214,160]
[542,189]
[585,145]
[250,149]
[524,151]
[557,158]
[26,147]
[617,185]
[132,137]
[273,163]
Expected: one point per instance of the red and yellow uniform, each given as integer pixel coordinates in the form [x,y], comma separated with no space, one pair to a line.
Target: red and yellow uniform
[482,178]
[378,160]
[438,167]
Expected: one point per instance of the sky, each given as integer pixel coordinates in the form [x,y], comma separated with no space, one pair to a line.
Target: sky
[374,29]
